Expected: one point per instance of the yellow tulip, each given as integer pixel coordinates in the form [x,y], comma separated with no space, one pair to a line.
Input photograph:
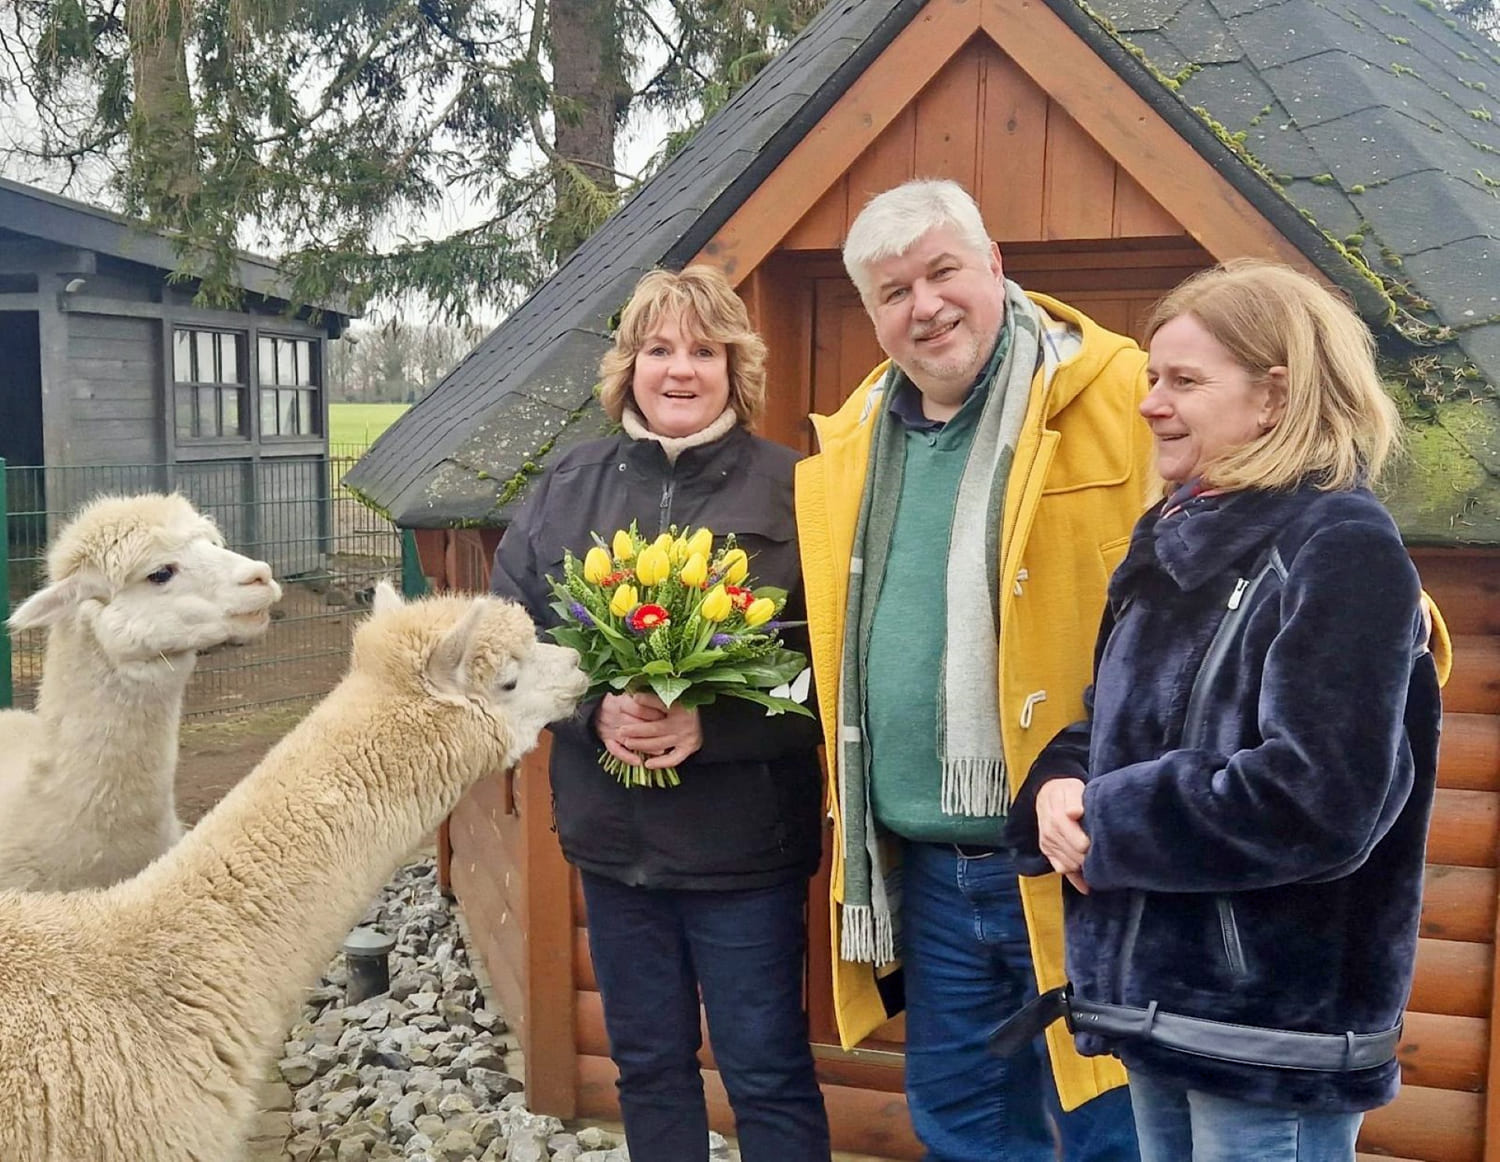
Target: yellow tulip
[624,600]
[701,542]
[653,566]
[736,566]
[717,605]
[663,542]
[596,566]
[623,546]
[759,611]
[678,551]
[695,572]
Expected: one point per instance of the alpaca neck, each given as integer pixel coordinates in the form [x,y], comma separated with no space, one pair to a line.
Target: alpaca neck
[288,861]
[105,717]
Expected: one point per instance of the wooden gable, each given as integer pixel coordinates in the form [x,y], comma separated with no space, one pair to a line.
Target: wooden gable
[1001,96]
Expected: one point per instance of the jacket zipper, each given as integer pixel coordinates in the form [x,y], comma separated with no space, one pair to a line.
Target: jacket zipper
[665,519]
[1195,721]
[1234,951]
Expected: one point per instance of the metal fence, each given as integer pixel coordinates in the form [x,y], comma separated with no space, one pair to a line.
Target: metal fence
[325,548]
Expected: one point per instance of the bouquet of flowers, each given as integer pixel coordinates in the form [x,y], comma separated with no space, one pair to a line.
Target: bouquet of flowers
[676,617]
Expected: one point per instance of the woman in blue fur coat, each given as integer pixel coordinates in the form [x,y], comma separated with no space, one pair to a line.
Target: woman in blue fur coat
[1243,817]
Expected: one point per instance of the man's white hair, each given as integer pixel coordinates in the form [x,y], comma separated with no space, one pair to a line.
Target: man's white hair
[891,224]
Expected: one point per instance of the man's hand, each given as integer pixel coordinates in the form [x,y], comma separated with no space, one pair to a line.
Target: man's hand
[1060,833]
[640,728]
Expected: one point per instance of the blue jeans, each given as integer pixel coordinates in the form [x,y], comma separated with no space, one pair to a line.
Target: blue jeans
[1187,1125]
[654,952]
[968,968]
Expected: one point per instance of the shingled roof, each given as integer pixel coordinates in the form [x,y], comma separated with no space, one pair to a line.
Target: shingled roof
[1366,132]
[1377,120]
[29,212]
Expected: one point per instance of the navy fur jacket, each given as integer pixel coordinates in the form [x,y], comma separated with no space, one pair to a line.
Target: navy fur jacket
[1258,861]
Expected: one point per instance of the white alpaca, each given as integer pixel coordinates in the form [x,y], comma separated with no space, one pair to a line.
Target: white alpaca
[138,1021]
[137,586]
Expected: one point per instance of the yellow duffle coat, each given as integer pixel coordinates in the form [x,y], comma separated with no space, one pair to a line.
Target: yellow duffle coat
[1082,476]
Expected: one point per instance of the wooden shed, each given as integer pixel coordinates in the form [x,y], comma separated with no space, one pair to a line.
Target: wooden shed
[110,365]
[1114,147]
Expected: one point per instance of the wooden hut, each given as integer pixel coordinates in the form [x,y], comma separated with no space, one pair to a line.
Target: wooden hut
[115,379]
[1114,147]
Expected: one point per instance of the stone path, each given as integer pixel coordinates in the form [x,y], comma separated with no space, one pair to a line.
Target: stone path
[426,1069]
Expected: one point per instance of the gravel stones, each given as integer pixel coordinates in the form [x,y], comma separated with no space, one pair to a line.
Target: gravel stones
[418,1074]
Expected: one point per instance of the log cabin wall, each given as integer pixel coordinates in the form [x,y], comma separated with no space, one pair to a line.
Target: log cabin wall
[1447,1110]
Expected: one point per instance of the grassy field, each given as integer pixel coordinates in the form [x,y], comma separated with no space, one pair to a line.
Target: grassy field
[360,423]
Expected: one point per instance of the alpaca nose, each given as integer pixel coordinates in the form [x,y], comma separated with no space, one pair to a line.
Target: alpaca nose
[255,573]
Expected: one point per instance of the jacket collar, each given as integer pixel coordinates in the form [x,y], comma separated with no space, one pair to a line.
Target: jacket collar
[1206,537]
[649,457]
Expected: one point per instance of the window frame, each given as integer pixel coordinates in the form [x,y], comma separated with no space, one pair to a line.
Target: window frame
[194,388]
[308,395]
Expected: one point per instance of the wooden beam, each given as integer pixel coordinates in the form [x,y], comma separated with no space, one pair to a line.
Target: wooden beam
[84,303]
[820,159]
[1491,1135]
[1134,134]
[551,1019]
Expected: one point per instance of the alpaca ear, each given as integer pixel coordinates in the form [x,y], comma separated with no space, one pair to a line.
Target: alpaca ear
[52,603]
[386,597]
[448,667]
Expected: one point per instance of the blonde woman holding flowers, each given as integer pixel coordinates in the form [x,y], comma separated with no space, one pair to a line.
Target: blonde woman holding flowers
[696,889]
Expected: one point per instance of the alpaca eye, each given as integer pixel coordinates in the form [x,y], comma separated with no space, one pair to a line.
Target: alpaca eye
[511,685]
[162,575]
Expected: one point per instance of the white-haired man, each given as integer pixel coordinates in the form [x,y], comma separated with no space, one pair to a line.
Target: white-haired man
[957,530]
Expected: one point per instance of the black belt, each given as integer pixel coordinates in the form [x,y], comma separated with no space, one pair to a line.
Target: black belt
[1244,1044]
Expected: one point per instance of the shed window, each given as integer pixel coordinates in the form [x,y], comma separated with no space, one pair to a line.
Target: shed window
[209,377]
[289,404]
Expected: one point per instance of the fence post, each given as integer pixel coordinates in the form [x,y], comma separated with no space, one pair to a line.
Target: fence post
[6,693]
[413,580]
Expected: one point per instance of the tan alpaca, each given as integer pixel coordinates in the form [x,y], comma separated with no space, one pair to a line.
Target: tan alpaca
[139,1020]
[137,586]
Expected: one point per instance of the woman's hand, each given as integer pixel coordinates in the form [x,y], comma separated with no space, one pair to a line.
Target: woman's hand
[617,714]
[674,735]
[1060,833]
[636,727]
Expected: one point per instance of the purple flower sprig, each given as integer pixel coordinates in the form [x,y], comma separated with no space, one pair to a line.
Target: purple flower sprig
[581,614]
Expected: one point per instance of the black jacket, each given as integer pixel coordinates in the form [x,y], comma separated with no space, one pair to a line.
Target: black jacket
[747,812]
[1257,850]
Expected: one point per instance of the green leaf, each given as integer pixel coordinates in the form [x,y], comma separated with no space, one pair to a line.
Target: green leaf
[732,674]
[656,667]
[773,706]
[669,689]
[698,660]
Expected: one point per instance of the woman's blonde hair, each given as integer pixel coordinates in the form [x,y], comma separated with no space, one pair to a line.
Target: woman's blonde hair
[1338,425]
[708,308]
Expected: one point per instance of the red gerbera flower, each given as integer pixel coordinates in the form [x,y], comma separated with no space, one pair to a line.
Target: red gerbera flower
[741,597]
[645,618]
